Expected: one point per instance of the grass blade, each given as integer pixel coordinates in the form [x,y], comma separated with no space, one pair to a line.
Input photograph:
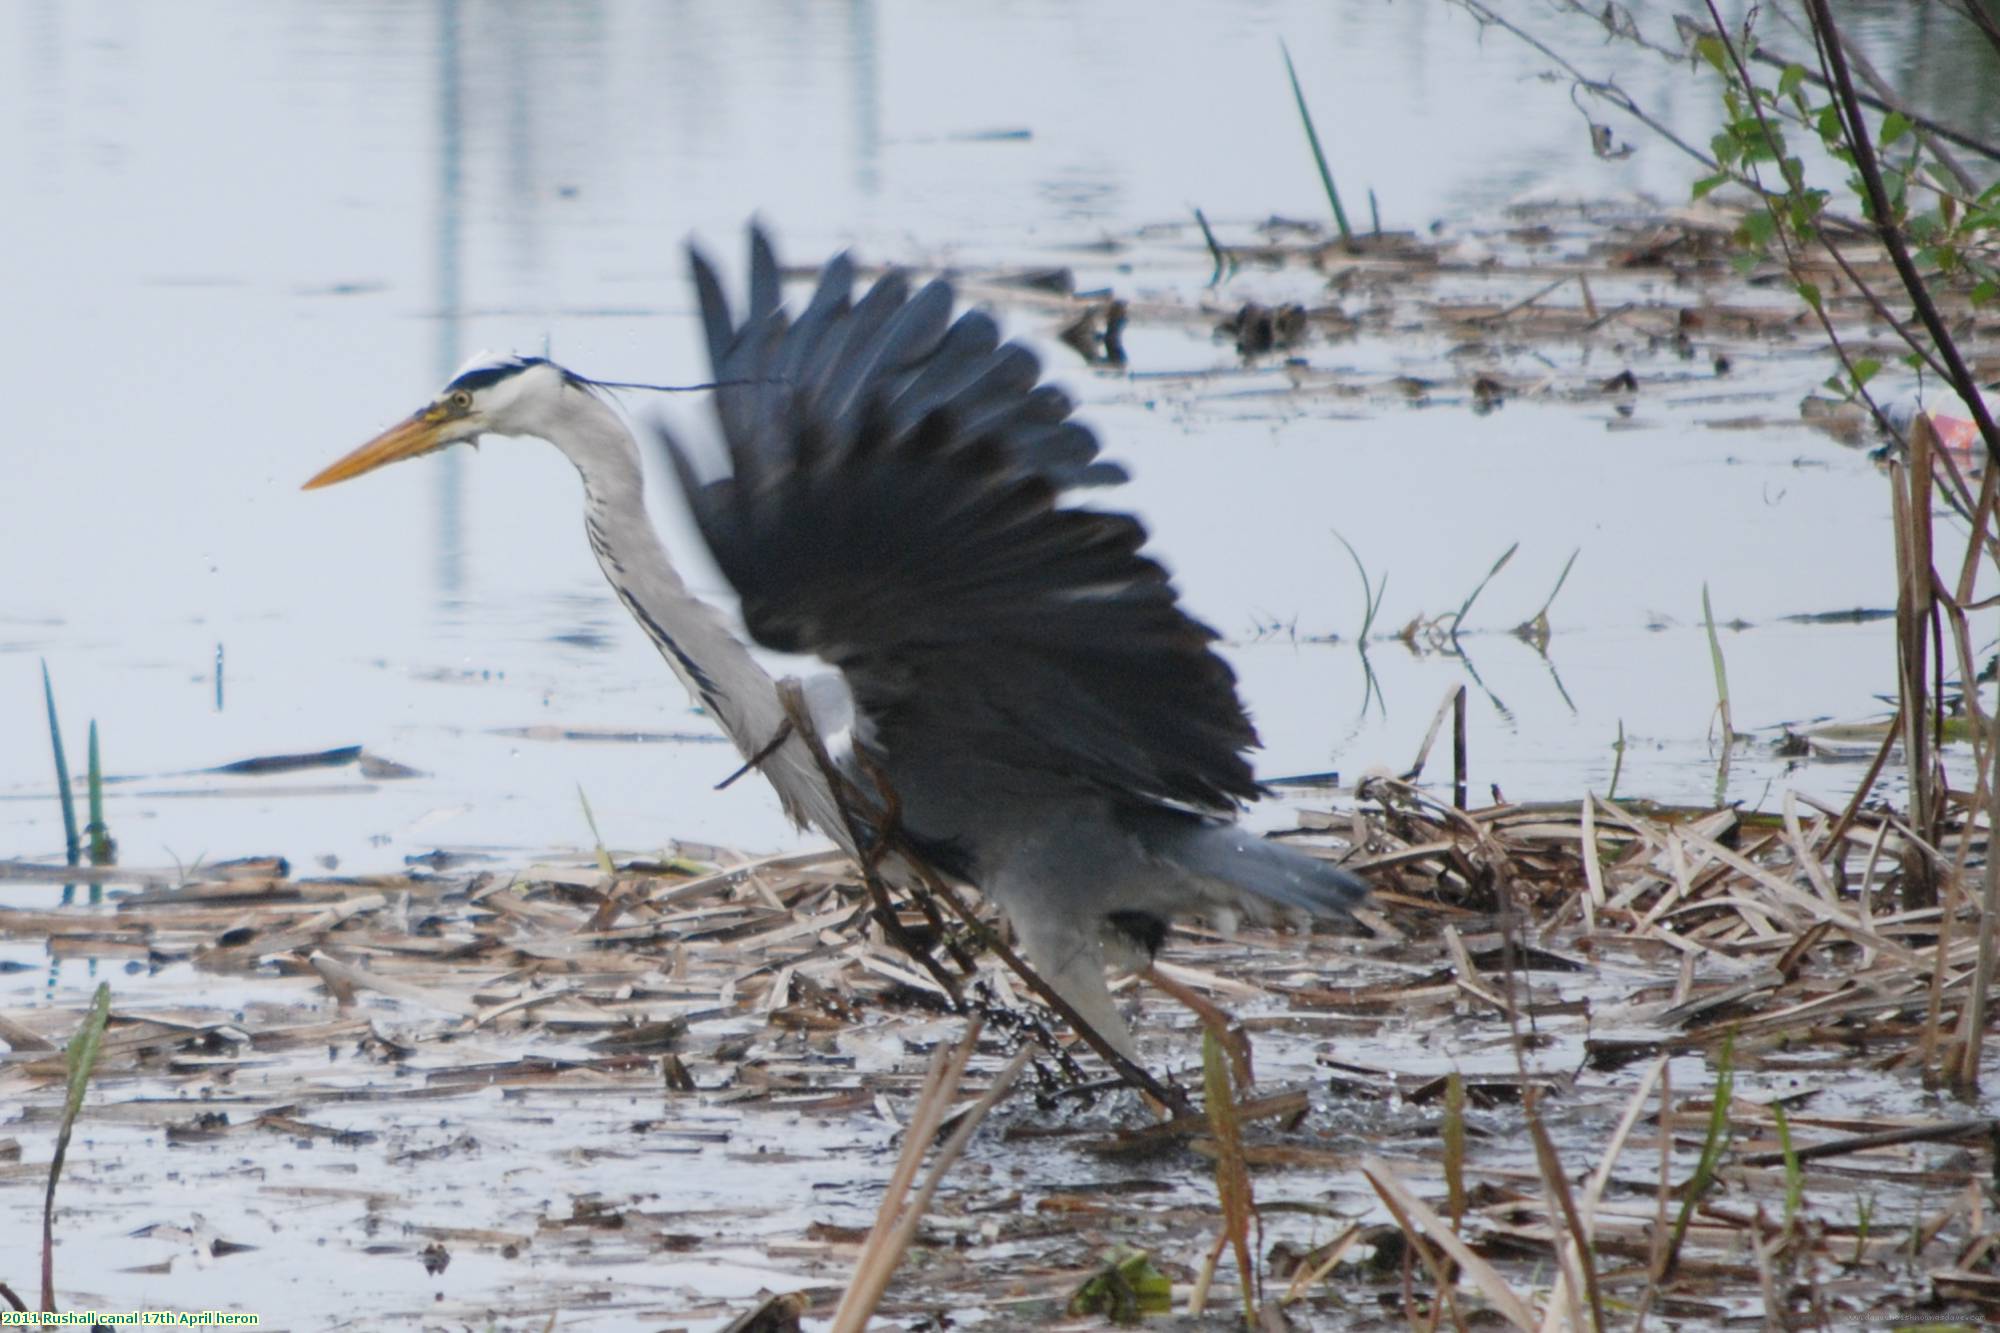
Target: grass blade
[1454,1147]
[1721,697]
[81,1056]
[1473,596]
[72,845]
[1795,1181]
[596,838]
[1225,263]
[1721,671]
[1371,598]
[1617,761]
[1711,1152]
[103,851]
[1535,629]
[1319,156]
[1232,1176]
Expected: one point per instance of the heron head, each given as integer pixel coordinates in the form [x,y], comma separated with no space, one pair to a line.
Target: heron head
[491,396]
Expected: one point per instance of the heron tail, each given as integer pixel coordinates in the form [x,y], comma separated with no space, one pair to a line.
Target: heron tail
[1255,870]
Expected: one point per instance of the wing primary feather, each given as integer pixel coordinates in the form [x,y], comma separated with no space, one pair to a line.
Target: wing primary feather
[766,282]
[716,322]
[898,506]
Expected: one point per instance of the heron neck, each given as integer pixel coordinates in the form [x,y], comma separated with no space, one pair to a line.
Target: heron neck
[692,636]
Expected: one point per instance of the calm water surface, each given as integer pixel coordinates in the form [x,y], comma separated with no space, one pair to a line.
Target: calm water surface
[241,237]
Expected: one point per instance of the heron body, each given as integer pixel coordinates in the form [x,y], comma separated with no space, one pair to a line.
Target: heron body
[892,495]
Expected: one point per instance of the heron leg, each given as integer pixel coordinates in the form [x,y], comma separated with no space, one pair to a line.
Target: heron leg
[888,825]
[1071,962]
[1228,1032]
[792,696]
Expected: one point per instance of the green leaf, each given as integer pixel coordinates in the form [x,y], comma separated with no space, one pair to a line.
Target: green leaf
[1760,141]
[1985,292]
[1127,1288]
[1795,1183]
[1894,126]
[1865,369]
[1828,124]
[1725,148]
[1805,207]
[1708,183]
[1758,228]
[1809,293]
[1793,76]
[1714,52]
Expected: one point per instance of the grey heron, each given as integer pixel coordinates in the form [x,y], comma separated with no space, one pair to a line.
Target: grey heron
[898,501]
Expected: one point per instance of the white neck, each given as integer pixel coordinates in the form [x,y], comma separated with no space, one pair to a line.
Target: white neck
[693,637]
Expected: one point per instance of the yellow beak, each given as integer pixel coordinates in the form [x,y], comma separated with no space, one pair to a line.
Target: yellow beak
[416,435]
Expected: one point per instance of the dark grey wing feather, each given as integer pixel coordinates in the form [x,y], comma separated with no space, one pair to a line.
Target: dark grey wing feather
[766,283]
[966,348]
[895,505]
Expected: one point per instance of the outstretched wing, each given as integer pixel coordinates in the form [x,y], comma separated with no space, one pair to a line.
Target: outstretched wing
[895,506]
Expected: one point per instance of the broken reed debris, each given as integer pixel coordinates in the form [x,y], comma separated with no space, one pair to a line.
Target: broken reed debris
[1638,932]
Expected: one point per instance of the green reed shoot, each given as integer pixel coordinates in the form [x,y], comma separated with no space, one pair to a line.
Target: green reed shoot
[72,844]
[1795,1177]
[1371,597]
[1319,154]
[1473,596]
[1721,672]
[81,1057]
[103,851]
[1711,1149]
[1225,263]
[597,839]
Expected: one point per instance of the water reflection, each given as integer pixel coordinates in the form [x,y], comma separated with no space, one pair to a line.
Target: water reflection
[865,98]
[448,559]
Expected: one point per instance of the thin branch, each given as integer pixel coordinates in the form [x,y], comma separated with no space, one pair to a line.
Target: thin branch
[1891,233]
[1880,102]
[1976,12]
[1602,88]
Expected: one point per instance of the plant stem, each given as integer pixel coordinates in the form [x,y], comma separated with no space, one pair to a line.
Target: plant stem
[1319,156]
[72,844]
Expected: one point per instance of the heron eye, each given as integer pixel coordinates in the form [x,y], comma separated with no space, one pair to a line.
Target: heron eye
[460,400]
